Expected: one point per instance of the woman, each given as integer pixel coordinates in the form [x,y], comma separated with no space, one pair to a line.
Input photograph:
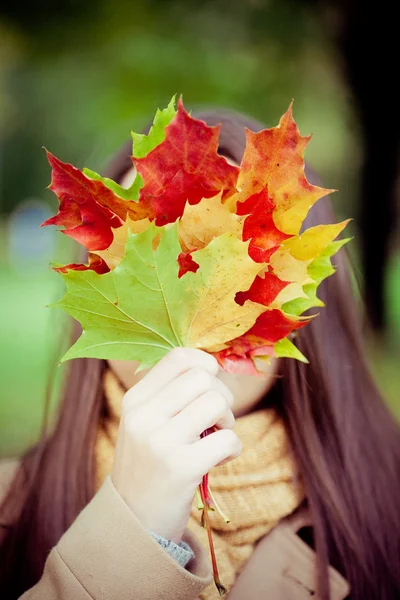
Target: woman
[324,517]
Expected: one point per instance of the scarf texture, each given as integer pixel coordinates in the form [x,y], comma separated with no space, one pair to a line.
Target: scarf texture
[255,490]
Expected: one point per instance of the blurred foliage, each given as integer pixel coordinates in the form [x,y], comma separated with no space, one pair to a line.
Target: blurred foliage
[77,85]
[76,78]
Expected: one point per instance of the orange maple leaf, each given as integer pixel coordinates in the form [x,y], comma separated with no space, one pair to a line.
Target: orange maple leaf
[273,158]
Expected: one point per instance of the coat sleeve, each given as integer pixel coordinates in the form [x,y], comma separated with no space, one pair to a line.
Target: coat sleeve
[108,554]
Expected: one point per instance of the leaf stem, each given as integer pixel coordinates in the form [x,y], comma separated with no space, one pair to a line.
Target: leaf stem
[207,501]
[206,523]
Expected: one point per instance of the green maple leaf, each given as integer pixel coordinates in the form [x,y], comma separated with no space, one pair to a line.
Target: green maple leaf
[141,309]
[286,349]
[319,269]
[143,144]
[131,193]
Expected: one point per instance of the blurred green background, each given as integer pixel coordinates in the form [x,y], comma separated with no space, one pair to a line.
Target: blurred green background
[76,78]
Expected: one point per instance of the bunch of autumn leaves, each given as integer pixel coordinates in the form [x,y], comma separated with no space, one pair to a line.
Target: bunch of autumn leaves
[197,252]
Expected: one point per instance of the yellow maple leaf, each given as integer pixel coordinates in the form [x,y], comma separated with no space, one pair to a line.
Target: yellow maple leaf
[206,220]
[313,241]
[116,251]
[225,267]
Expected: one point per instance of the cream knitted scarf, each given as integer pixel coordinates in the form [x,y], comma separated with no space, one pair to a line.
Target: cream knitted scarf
[255,490]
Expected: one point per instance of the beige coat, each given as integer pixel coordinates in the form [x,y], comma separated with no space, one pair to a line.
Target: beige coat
[107,554]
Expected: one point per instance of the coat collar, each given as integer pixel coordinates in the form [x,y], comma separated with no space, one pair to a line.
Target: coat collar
[283,567]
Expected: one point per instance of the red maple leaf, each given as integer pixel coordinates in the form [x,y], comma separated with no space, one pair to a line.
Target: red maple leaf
[259,226]
[263,290]
[186,263]
[270,327]
[233,363]
[88,209]
[96,263]
[184,167]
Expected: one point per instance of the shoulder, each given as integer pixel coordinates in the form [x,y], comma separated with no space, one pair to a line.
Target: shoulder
[8,469]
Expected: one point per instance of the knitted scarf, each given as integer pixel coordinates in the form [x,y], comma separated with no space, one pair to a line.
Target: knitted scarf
[255,490]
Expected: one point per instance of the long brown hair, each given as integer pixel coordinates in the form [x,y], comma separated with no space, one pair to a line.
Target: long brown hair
[346,443]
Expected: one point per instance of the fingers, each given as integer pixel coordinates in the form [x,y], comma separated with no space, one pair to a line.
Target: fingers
[178,394]
[192,400]
[167,369]
[201,456]
[205,411]
[184,389]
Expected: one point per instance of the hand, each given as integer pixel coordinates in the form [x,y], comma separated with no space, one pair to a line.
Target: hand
[160,458]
